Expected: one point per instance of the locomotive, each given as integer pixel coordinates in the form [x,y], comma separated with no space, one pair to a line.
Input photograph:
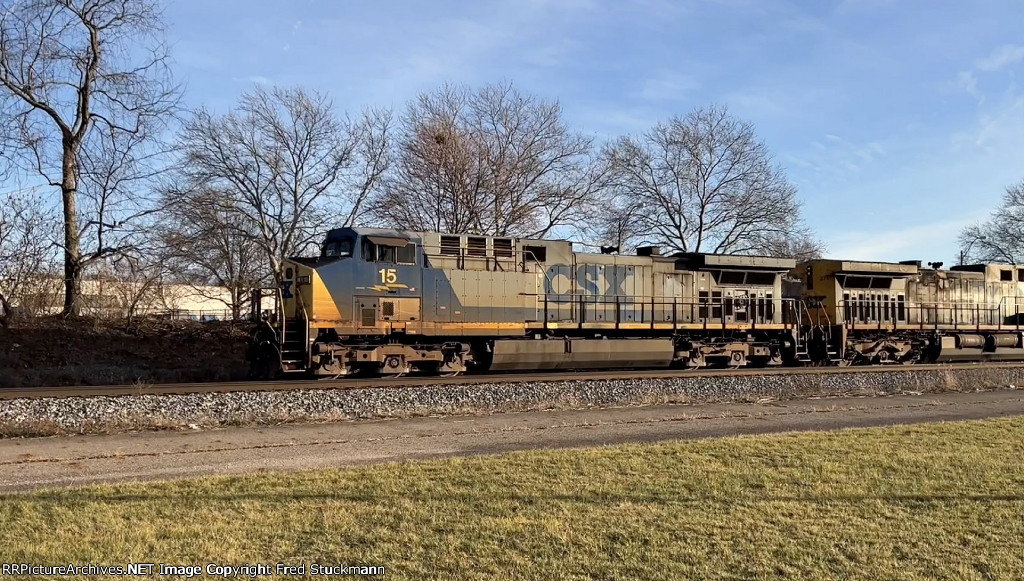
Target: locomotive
[391,302]
[878,312]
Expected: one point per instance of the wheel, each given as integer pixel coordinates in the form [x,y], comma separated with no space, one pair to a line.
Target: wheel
[737,360]
[452,366]
[696,360]
[394,366]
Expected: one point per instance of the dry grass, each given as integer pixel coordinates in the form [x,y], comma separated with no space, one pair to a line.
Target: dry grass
[940,501]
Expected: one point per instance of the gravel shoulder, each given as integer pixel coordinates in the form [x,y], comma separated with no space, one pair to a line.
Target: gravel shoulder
[34,463]
[48,416]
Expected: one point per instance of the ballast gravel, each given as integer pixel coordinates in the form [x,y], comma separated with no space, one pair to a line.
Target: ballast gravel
[107,414]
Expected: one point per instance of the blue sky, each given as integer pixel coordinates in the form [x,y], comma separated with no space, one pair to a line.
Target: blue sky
[898,121]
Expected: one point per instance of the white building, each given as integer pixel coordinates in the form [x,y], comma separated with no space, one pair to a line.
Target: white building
[116,298]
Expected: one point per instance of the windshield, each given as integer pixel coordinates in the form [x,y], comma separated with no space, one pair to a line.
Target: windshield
[338,248]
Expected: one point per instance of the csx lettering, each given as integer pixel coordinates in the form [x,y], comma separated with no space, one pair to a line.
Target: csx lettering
[613,279]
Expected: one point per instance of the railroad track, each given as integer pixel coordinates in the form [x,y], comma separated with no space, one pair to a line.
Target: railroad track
[413,381]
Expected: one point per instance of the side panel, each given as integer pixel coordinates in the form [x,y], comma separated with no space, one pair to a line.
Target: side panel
[479,298]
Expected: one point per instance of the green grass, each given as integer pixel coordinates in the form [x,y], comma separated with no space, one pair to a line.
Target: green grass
[940,501]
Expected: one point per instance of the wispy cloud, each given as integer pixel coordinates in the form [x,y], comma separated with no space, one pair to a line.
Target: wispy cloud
[1001,57]
[968,82]
[256,79]
[998,59]
[666,86]
[866,151]
[848,6]
[999,127]
[901,243]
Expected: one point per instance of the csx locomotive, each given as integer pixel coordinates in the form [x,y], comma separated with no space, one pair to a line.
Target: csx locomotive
[391,302]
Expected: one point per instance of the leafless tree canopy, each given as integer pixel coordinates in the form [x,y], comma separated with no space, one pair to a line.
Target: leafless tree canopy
[285,167]
[128,284]
[205,245]
[702,183]
[82,84]
[1001,238]
[493,161]
[27,232]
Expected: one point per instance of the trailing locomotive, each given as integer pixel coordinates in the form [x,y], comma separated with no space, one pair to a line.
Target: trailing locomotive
[392,302]
[877,312]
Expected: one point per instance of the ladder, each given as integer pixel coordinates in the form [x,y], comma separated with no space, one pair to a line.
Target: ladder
[294,345]
[814,327]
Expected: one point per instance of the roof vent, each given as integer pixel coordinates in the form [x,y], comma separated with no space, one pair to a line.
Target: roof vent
[648,251]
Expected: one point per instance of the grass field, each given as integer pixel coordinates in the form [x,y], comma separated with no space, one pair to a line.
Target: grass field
[940,501]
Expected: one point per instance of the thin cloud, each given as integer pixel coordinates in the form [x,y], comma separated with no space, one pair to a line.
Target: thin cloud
[256,79]
[1001,57]
[901,243]
[666,87]
[968,82]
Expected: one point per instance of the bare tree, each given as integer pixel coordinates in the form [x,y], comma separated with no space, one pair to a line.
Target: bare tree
[123,286]
[75,74]
[703,183]
[492,161]
[372,158]
[799,244]
[27,233]
[284,165]
[1001,238]
[119,191]
[205,245]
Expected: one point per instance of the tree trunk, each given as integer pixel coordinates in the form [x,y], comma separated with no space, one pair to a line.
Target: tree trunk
[72,244]
[237,296]
[6,312]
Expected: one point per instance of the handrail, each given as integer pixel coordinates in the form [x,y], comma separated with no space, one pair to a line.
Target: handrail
[960,315]
[759,310]
[300,303]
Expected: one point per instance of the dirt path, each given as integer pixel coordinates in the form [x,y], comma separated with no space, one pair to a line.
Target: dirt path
[70,461]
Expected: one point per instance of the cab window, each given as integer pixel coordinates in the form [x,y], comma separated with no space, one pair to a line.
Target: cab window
[388,254]
[338,248]
[406,254]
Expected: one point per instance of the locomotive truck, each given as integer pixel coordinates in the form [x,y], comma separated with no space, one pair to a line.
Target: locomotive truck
[390,302]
